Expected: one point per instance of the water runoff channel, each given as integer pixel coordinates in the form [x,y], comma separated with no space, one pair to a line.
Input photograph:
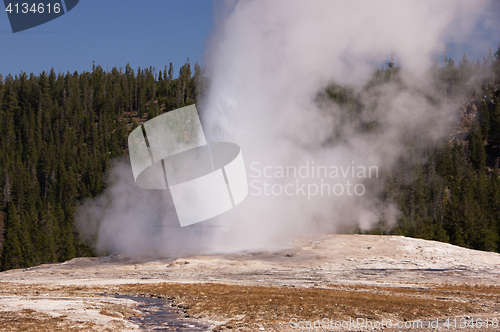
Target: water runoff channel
[158,315]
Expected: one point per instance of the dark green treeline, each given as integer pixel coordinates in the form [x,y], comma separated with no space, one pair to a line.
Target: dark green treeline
[454,195]
[58,133]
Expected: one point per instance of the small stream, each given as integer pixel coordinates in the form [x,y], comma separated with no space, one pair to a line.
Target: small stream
[158,315]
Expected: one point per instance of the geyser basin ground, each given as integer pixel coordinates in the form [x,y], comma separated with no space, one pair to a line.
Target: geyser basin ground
[328,276]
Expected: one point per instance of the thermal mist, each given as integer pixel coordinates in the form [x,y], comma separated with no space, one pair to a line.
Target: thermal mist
[267,62]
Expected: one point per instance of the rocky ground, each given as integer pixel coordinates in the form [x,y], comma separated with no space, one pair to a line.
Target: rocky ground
[332,277]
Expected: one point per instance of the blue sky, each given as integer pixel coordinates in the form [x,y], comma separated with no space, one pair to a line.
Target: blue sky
[484,36]
[146,33]
[111,33]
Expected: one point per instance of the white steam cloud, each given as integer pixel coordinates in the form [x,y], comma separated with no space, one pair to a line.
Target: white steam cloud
[266,63]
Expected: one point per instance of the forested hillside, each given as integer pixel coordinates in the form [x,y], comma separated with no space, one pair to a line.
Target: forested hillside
[455,195]
[58,133]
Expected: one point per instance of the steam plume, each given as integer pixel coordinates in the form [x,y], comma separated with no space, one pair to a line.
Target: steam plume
[266,64]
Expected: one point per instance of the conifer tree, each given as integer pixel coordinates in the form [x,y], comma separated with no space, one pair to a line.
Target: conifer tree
[12,255]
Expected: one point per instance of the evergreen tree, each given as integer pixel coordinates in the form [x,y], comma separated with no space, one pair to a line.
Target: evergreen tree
[477,152]
[12,255]
[485,120]
[495,125]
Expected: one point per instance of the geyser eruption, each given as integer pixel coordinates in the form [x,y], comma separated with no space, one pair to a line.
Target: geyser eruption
[269,64]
